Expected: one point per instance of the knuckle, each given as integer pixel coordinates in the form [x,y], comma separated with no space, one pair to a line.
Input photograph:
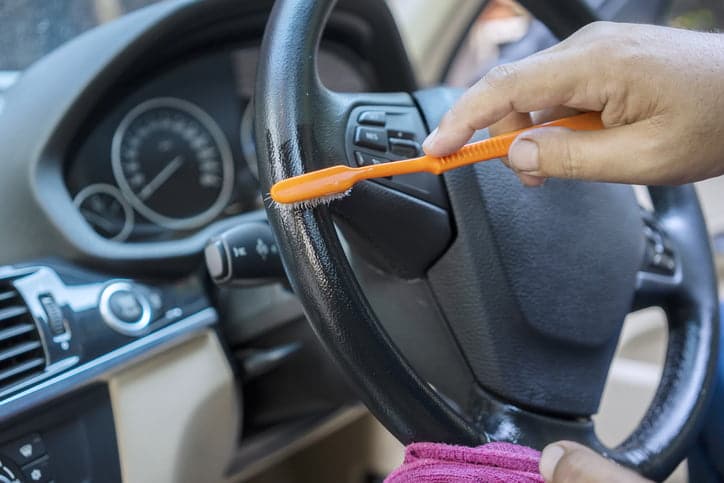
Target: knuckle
[603,47]
[570,162]
[663,156]
[659,126]
[448,119]
[609,41]
[630,55]
[572,468]
[455,118]
[657,146]
[615,111]
[598,28]
[501,76]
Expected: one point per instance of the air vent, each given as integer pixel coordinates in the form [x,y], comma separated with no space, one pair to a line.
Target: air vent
[21,350]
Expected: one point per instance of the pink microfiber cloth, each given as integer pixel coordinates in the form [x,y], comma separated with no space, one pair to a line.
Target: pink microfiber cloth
[490,463]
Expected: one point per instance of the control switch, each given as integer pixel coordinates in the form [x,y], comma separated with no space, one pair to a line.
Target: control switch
[245,255]
[38,471]
[372,138]
[373,118]
[404,147]
[364,159]
[56,319]
[25,449]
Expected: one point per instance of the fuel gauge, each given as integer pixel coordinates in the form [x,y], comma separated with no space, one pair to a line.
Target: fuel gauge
[106,211]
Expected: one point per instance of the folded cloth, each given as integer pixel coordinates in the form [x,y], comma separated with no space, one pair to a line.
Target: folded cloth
[490,463]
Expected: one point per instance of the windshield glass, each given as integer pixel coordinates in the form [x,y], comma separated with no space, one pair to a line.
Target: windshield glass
[32,28]
[29,29]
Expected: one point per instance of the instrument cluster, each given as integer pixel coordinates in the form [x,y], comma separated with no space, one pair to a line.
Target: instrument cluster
[176,152]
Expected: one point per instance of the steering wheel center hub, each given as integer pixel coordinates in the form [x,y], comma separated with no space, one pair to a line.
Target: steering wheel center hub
[538,282]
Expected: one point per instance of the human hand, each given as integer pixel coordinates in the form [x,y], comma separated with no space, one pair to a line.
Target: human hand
[659,89]
[568,462]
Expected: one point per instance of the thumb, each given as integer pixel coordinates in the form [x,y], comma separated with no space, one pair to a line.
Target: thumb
[568,462]
[604,155]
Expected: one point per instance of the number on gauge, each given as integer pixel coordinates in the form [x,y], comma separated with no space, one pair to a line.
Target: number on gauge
[173,163]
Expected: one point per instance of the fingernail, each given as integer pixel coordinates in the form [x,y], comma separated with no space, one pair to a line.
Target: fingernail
[523,155]
[531,181]
[430,140]
[549,459]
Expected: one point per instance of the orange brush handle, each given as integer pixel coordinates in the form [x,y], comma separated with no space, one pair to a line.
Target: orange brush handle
[498,146]
[339,179]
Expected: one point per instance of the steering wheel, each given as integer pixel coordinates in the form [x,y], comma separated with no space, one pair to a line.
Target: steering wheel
[532,284]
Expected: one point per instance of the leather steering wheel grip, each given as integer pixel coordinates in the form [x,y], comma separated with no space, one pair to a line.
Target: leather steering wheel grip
[677,412]
[290,103]
[287,89]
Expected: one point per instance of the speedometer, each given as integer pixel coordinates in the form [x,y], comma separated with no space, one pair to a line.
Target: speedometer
[173,163]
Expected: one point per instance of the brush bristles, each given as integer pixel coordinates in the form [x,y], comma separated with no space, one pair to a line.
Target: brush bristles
[311,203]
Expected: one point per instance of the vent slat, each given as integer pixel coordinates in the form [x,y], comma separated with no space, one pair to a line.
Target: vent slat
[22,354]
[22,367]
[16,330]
[12,311]
[19,350]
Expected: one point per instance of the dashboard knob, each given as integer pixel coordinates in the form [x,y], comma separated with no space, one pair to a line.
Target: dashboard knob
[125,308]
[245,255]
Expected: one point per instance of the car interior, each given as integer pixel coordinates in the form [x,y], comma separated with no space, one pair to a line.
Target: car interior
[161,319]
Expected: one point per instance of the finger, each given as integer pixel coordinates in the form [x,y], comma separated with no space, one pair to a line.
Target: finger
[568,462]
[528,85]
[553,113]
[511,122]
[539,117]
[624,154]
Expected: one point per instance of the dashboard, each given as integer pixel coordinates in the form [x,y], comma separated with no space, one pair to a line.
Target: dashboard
[175,152]
[125,150]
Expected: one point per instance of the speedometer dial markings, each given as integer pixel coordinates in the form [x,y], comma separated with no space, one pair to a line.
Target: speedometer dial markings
[173,163]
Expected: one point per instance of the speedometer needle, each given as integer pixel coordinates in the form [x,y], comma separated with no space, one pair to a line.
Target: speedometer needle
[161,178]
[99,220]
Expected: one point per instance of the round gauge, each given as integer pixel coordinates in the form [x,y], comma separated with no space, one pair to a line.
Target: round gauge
[173,163]
[105,210]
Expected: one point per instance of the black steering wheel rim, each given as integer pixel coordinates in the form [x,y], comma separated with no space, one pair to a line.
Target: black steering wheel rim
[290,102]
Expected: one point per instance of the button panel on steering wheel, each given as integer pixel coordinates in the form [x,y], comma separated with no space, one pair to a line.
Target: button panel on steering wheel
[379,134]
[659,256]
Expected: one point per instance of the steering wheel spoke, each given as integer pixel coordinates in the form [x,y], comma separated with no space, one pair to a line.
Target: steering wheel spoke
[660,276]
[400,224]
[355,128]
[369,128]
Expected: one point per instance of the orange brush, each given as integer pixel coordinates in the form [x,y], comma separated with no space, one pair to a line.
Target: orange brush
[316,187]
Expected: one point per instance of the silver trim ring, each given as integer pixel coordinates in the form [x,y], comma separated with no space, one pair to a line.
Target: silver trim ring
[227,163]
[127,328]
[110,190]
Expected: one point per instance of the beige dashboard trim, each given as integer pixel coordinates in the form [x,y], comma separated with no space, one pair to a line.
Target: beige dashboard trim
[341,418]
[176,414]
